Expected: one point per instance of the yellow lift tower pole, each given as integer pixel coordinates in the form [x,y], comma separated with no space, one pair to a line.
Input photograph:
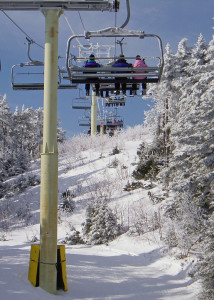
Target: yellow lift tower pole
[49,157]
[46,253]
[94,113]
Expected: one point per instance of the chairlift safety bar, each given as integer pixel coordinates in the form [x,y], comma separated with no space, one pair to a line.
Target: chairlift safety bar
[110,58]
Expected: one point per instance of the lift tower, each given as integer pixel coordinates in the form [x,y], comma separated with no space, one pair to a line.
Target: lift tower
[52,10]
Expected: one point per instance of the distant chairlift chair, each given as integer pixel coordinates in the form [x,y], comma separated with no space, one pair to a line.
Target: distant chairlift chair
[24,71]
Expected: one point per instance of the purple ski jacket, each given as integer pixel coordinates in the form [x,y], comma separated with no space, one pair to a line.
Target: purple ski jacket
[91,64]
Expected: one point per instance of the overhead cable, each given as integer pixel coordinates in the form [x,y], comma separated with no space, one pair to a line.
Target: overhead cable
[21,29]
[81,21]
[69,25]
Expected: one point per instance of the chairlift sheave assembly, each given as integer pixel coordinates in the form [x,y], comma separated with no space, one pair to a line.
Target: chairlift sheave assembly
[106,73]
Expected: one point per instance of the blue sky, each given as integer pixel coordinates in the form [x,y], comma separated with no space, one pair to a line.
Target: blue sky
[172,20]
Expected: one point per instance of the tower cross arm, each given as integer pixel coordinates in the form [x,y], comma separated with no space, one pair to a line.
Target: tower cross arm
[93,5]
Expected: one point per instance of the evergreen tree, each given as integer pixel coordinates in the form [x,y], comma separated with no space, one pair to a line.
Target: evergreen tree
[188,88]
[20,138]
[207,199]
[6,140]
[206,267]
[101,223]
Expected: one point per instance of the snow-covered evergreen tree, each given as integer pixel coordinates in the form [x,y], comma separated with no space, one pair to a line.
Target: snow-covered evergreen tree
[20,138]
[207,199]
[6,140]
[185,116]
[101,223]
[206,266]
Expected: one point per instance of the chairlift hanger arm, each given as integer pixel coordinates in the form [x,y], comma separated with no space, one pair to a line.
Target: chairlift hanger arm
[128,15]
[34,62]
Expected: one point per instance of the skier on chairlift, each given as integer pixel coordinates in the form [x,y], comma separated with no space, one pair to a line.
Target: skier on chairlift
[91,63]
[121,63]
[140,63]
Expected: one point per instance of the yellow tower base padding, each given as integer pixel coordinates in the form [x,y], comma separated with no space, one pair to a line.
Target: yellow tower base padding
[33,274]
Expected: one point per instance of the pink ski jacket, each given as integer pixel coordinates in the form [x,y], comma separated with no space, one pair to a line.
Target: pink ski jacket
[139,64]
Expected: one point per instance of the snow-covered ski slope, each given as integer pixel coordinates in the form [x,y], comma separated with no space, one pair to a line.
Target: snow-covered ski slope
[131,267]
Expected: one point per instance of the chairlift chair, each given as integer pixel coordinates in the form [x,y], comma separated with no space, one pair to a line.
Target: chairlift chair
[110,87]
[111,119]
[23,78]
[106,74]
[81,104]
[81,95]
[84,121]
[22,75]
[115,100]
[110,124]
[114,122]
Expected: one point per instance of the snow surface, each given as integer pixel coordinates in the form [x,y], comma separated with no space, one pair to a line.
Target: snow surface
[131,267]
